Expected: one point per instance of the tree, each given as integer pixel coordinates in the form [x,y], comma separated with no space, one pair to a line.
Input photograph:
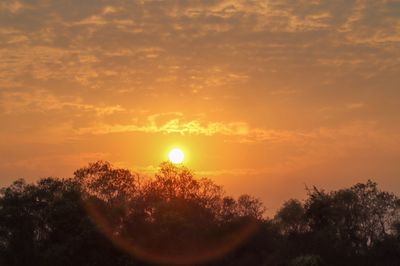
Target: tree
[307,260]
[172,218]
[361,215]
[110,216]
[101,180]
[45,224]
[291,217]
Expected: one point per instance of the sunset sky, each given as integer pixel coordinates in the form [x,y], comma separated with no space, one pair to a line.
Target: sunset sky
[264,97]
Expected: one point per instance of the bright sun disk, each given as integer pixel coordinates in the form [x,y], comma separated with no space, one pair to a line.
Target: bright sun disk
[176,156]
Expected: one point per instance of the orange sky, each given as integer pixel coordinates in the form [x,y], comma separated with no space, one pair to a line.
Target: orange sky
[265,97]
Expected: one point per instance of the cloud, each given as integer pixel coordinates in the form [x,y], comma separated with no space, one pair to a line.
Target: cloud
[44,101]
[12,6]
[215,50]
[355,105]
[173,126]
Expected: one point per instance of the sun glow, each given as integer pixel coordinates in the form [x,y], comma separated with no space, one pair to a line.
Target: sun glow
[176,156]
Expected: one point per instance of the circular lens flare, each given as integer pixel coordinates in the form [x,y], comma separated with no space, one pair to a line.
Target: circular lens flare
[176,156]
[214,247]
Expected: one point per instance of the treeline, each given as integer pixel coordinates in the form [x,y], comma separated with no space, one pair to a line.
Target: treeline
[109,216]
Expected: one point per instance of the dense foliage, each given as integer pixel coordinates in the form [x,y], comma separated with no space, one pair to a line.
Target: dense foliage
[109,216]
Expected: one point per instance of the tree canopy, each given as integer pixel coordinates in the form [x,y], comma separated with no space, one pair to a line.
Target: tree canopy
[109,216]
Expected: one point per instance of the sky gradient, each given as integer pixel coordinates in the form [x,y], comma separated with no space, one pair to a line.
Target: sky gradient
[265,97]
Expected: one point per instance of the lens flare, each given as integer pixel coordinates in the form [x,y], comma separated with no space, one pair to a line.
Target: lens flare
[215,248]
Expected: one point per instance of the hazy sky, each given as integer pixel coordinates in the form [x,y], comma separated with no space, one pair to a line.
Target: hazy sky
[265,97]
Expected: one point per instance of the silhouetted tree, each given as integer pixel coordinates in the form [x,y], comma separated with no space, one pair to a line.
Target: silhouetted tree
[291,217]
[110,216]
[172,218]
[45,224]
[351,221]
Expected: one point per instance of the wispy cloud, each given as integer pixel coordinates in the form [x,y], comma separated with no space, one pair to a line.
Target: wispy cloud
[44,101]
[173,126]
[13,6]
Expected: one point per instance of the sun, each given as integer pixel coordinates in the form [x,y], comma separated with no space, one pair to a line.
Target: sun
[176,156]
